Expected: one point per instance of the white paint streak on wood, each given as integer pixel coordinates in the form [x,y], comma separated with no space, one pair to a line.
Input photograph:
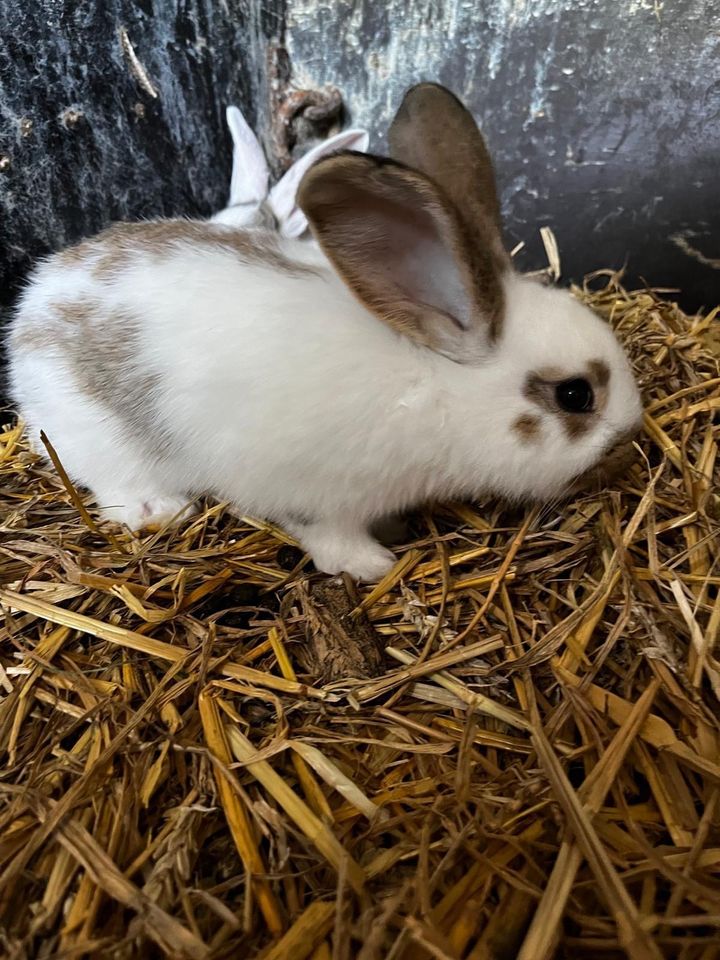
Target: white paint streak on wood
[136,67]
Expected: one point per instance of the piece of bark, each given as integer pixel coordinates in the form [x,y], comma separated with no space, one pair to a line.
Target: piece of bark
[339,646]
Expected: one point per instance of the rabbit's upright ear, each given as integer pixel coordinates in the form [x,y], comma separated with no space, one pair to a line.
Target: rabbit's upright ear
[434,133]
[283,196]
[399,244]
[249,180]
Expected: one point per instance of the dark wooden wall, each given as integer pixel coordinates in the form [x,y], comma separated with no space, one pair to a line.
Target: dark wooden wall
[85,140]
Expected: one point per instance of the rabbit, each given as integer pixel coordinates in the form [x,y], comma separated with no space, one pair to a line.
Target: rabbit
[251,204]
[408,363]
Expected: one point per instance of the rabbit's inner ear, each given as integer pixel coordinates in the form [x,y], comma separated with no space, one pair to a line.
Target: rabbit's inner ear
[399,245]
[411,253]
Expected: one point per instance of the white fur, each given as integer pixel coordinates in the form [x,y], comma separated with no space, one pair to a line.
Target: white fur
[285,396]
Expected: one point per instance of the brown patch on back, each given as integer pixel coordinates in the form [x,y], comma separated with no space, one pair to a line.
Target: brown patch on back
[74,313]
[103,352]
[30,337]
[527,427]
[100,344]
[113,249]
[76,255]
[100,350]
[53,328]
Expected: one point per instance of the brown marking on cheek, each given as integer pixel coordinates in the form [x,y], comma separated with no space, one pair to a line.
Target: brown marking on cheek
[541,392]
[527,427]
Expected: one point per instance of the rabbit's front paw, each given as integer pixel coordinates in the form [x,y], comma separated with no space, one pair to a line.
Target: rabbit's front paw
[146,513]
[338,550]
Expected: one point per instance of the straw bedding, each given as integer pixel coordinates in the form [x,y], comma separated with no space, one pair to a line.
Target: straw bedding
[508,749]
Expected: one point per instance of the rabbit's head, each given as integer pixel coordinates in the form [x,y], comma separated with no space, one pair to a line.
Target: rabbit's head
[537,375]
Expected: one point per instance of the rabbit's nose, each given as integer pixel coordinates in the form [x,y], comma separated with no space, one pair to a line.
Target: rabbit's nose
[613,464]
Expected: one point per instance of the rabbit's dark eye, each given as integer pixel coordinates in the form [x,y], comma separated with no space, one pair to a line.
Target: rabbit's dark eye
[575,396]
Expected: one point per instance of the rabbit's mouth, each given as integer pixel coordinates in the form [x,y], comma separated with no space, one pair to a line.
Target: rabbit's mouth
[617,459]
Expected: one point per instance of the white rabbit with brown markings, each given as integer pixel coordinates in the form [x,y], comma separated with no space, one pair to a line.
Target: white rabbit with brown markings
[170,359]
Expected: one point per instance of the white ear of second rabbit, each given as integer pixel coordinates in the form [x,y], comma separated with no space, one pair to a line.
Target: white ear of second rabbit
[283,196]
[250,177]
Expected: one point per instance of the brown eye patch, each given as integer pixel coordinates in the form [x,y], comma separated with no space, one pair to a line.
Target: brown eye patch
[541,388]
[600,372]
